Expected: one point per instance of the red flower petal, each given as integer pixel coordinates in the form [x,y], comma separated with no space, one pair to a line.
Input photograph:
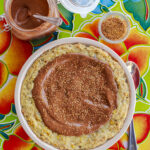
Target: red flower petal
[140,55]
[5,37]
[92,28]
[37,148]
[142,126]
[85,35]
[136,38]
[21,133]
[114,147]
[14,143]
[118,48]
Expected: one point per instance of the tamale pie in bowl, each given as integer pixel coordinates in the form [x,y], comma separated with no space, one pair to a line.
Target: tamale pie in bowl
[75,93]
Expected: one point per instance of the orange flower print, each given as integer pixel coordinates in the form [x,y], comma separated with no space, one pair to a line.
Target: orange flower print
[5,37]
[18,52]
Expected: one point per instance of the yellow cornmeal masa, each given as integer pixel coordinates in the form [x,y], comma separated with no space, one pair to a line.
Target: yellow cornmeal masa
[89,141]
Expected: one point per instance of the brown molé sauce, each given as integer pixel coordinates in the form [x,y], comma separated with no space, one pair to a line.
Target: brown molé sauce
[21,10]
[75,94]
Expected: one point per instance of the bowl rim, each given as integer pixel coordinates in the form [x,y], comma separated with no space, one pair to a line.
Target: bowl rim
[72,40]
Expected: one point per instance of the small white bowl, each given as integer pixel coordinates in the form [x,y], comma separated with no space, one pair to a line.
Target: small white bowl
[120,16]
[86,41]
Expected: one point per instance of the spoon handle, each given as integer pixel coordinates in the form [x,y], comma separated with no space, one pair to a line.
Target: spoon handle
[132,139]
[53,20]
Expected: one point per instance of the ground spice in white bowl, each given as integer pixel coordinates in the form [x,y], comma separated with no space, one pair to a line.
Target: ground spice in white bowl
[114,27]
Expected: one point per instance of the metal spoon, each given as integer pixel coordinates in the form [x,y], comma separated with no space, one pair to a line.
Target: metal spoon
[134,70]
[53,20]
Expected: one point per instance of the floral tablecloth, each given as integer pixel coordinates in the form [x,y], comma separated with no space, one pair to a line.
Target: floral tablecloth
[14,53]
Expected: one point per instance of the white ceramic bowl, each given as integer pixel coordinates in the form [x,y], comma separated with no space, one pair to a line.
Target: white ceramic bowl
[30,61]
